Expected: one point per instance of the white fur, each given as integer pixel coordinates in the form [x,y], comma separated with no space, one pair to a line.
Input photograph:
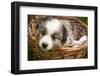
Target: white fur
[53,26]
[46,39]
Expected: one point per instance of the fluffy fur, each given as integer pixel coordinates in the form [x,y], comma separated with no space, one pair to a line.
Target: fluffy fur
[54,33]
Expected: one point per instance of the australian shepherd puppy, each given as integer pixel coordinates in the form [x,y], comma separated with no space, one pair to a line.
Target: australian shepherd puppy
[55,33]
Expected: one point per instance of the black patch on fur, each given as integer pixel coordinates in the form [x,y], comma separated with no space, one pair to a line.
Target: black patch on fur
[64,36]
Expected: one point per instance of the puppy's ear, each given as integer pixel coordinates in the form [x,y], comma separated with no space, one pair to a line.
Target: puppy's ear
[64,34]
[40,20]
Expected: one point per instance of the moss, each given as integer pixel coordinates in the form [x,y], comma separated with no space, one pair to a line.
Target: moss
[30,57]
[84,19]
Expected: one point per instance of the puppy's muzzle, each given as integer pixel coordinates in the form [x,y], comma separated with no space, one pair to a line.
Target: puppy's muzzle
[46,43]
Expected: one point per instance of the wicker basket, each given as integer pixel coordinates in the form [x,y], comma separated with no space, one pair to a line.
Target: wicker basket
[65,53]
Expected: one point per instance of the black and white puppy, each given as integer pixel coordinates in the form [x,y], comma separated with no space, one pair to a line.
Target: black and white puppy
[54,33]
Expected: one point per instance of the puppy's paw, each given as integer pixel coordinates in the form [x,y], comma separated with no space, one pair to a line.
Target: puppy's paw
[82,41]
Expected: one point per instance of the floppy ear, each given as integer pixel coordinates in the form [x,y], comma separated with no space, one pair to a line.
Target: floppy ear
[40,20]
[64,34]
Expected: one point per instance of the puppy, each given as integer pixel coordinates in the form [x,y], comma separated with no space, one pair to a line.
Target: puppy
[54,33]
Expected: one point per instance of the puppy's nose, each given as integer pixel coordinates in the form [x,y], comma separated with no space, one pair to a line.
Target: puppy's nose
[44,45]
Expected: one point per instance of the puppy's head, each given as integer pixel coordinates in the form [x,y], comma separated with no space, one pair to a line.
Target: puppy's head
[51,33]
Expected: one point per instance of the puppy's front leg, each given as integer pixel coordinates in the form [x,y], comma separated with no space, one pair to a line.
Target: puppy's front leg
[69,42]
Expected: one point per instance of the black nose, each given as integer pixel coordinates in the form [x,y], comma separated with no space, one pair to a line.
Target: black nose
[44,45]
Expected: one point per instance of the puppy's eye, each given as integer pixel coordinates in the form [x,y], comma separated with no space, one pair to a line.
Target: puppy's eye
[43,33]
[39,35]
[53,37]
[56,36]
